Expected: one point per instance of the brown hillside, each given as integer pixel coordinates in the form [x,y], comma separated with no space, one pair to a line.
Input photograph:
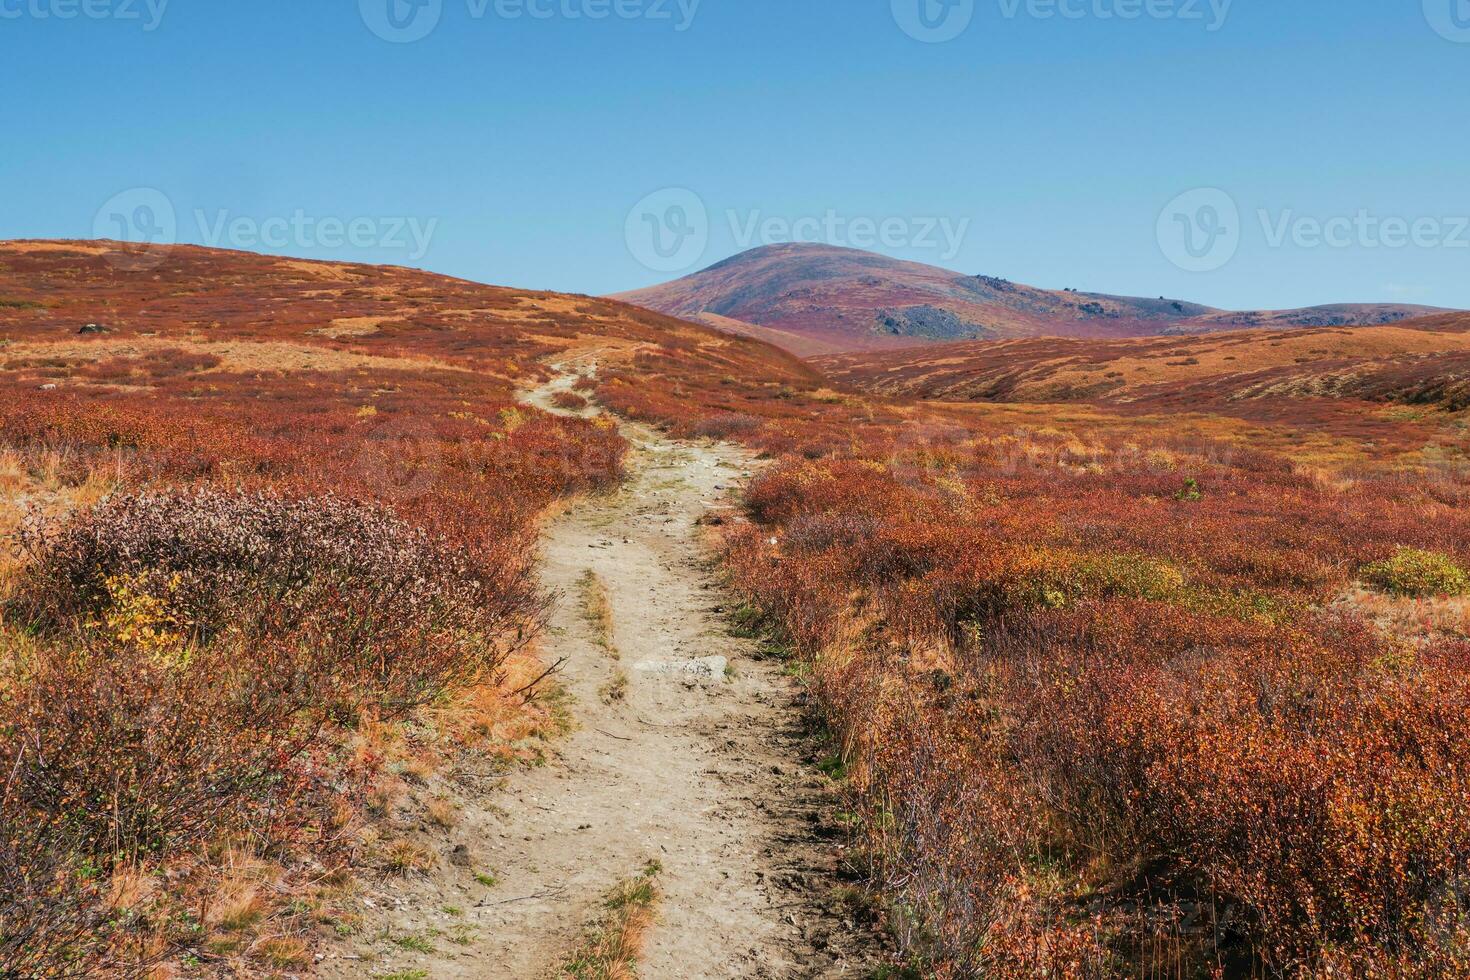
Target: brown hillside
[1425,361]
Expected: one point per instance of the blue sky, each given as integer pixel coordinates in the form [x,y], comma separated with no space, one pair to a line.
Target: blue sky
[1047,141]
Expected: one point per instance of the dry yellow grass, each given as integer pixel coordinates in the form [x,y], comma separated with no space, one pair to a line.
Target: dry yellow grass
[613,947]
[281,952]
[130,889]
[1412,619]
[44,483]
[246,906]
[1330,453]
[328,271]
[406,857]
[597,610]
[235,356]
[441,813]
[353,326]
[87,248]
[494,719]
[241,895]
[238,905]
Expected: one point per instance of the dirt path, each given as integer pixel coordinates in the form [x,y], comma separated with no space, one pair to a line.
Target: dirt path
[703,769]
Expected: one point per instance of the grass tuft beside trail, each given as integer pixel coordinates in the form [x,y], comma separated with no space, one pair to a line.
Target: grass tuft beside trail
[613,949]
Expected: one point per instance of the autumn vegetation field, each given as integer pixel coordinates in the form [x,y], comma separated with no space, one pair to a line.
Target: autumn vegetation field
[271,530]
[1120,681]
[1123,690]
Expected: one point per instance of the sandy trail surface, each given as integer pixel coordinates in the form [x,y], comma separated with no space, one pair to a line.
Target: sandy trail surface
[704,764]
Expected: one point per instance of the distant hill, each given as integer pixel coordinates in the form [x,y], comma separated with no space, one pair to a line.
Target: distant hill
[50,291]
[1424,361]
[818,299]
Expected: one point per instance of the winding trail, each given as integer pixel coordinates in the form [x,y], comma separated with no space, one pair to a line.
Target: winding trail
[706,770]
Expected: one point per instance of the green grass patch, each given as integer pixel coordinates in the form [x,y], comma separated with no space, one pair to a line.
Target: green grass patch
[1418,574]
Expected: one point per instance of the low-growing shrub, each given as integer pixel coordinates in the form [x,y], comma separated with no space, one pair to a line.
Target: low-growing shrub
[190,655]
[130,756]
[1128,577]
[372,607]
[569,400]
[1418,574]
[52,915]
[724,426]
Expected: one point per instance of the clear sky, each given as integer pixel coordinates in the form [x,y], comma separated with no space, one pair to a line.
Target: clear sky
[1045,141]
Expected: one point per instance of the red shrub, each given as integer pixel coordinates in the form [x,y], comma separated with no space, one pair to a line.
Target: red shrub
[569,400]
[1097,722]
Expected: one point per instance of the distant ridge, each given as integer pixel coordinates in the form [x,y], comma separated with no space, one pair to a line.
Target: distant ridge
[819,299]
[1422,362]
